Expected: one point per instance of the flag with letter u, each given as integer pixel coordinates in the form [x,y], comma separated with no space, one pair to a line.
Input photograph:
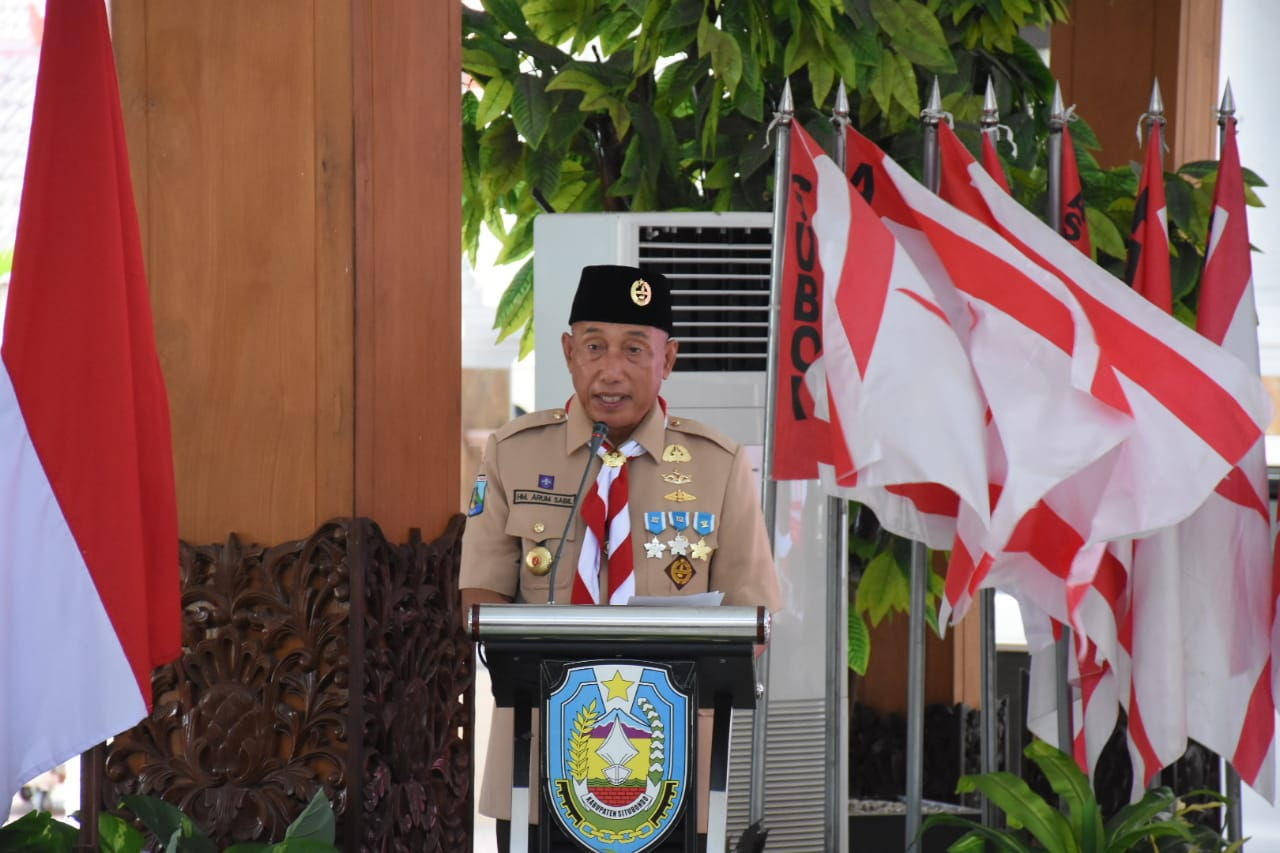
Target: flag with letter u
[89,599]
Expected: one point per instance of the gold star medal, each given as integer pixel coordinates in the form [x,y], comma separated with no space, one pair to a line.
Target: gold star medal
[538,561]
[701,550]
[676,453]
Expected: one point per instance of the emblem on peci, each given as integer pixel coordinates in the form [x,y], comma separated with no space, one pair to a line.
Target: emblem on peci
[617,750]
[641,292]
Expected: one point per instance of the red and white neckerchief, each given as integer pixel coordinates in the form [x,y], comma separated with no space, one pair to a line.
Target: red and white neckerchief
[608,520]
[607,513]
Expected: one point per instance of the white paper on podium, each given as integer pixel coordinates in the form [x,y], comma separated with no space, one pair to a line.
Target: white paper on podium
[698,599]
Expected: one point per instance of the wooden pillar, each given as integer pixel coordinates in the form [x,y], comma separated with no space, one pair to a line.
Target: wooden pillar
[297,174]
[1107,57]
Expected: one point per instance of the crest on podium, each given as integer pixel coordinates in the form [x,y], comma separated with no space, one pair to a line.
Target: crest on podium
[617,752]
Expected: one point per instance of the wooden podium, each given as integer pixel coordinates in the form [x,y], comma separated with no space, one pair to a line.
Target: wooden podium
[548,656]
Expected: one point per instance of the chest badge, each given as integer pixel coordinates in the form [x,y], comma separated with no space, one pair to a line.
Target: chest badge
[701,550]
[538,561]
[680,496]
[614,459]
[677,478]
[676,453]
[681,571]
[655,548]
[679,546]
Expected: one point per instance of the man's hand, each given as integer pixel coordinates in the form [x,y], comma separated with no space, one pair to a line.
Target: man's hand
[473,595]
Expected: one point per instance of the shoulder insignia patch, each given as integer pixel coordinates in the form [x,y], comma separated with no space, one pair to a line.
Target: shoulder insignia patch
[477,495]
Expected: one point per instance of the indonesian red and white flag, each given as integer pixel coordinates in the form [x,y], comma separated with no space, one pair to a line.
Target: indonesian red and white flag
[89,600]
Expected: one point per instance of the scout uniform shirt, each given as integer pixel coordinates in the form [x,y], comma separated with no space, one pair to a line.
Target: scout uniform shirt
[696,526]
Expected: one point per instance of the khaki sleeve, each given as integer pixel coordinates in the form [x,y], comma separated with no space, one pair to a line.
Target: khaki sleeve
[490,558]
[742,566]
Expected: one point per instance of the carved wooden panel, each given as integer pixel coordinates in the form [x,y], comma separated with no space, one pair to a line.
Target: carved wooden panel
[258,711]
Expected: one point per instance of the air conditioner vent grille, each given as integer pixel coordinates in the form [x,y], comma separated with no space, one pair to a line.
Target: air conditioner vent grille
[720,289]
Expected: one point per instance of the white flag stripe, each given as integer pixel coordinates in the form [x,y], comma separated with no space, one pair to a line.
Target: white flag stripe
[46,624]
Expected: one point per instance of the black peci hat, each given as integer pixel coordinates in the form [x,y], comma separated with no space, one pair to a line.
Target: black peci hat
[630,295]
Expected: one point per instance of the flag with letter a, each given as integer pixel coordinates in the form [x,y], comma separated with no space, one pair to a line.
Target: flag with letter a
[89,598]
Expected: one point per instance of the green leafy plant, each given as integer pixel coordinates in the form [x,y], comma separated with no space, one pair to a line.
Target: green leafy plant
[879,564]
[593,105]
[38,831]
[1157,822]
[313,831]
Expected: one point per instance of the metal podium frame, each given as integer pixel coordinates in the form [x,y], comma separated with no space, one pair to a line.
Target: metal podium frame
[718,642]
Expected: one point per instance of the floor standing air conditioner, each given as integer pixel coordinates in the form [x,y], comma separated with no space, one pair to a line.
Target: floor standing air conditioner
[719,268]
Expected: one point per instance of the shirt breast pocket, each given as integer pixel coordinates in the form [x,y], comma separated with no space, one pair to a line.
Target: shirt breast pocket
[539,529]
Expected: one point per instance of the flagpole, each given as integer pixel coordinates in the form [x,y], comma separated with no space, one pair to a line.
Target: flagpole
[837,791]
[930,117]
[1231,782]
[769,492]
[987,597]
[1062,647]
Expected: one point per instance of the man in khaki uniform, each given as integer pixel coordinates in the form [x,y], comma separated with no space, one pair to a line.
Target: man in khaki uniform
[694,510]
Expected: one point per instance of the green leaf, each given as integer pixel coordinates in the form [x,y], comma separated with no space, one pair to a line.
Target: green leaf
[581,78]
[859,643]
[1069,783]
[516,305]
[509,14]
[501,159]
[497,97]
[1104,234]
[1023,807]
[978,837]
[530,109]
[526,339]
[116,835]
[905,90]
[477,62]
[38,831]
[915,32]
[162,818]
[617,30]
[316,821]
[552,20]
[683,13]
[250,847]
[799,52]
[821,78]
[726,55]
[883,588]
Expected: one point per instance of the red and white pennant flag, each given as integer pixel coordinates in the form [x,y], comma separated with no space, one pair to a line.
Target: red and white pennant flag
[1192,402]
[88,521]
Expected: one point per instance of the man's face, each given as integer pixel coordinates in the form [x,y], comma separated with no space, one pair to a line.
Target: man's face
[617,371]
